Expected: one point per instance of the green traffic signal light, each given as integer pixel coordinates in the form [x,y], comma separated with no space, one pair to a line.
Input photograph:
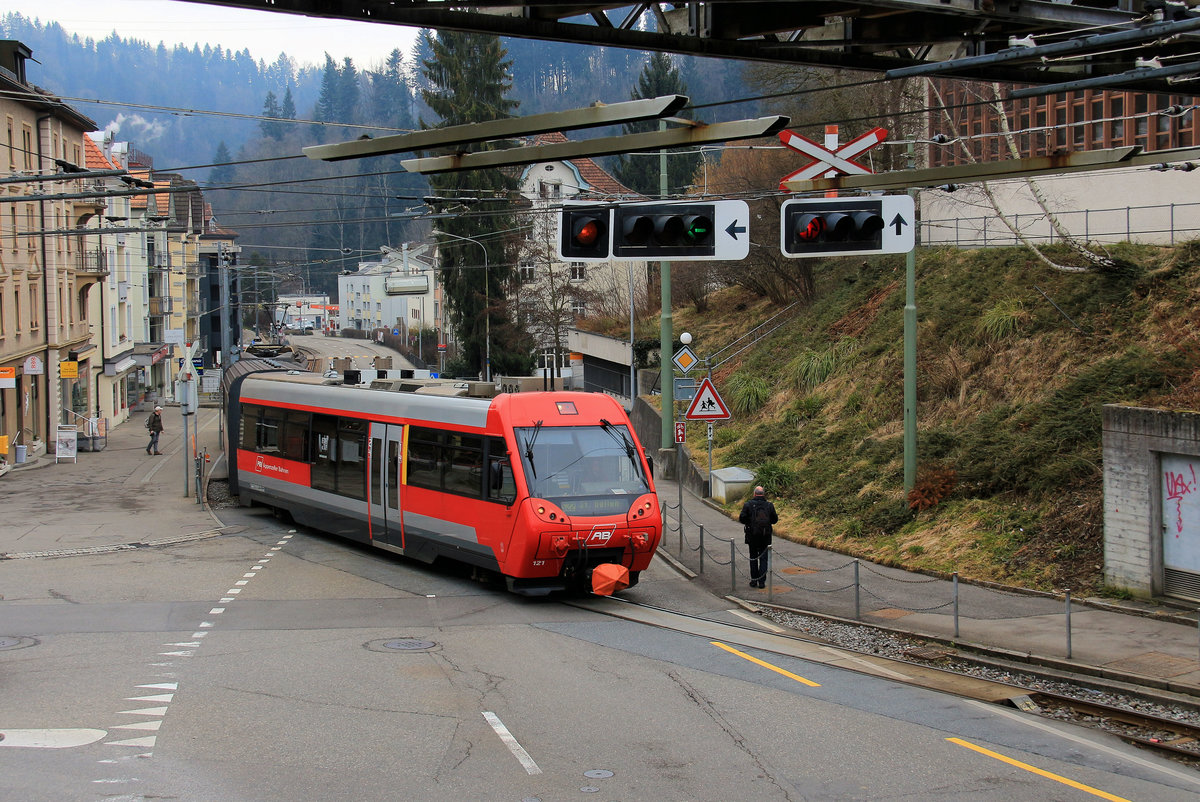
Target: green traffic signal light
[658,230]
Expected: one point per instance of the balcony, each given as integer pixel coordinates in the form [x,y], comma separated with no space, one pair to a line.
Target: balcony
[161,306]
[93,264]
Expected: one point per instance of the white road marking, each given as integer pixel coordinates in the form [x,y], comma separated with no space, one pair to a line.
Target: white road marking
[144,711]
[145,726]
[50,739]
[158,697]
[513,746]
[139,742]
[215,611]
[166,686]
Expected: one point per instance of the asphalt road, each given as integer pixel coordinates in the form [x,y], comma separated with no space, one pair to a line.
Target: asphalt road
[273,663]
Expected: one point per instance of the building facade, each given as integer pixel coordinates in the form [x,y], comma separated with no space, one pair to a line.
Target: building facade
[47,276]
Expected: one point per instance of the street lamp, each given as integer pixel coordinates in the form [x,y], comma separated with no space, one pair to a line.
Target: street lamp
[487,301]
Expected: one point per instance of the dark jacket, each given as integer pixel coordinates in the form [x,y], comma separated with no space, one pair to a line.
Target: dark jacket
[154,422]
[747,516]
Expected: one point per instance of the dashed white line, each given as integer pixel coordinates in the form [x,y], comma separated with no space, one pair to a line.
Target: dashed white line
[513,746]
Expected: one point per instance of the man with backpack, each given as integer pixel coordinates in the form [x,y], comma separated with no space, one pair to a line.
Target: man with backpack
[758,516]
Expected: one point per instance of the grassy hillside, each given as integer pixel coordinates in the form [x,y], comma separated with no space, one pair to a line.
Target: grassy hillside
[1010,391]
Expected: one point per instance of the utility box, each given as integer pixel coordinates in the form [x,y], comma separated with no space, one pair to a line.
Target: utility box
[729,484]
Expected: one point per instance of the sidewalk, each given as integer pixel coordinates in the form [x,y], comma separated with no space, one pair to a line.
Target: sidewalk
[119,497]
[1133,642]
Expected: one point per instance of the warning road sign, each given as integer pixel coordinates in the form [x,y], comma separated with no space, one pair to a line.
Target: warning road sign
[707,405]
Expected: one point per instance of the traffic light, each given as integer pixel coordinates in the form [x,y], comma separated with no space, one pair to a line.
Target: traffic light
[846,226]
[663,230]
[583,233]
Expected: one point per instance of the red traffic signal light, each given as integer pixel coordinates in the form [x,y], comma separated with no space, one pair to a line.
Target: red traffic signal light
[583,233]
[846,226]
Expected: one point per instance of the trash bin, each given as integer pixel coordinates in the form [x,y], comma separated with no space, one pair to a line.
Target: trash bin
[21,452]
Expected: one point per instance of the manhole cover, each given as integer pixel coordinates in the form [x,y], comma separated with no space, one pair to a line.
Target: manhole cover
[15,642]
[401,645]
[598,774]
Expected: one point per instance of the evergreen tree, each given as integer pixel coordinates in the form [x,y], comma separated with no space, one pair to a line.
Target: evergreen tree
[641,172]
[346,102]
[222,172]
[327,104]
[270,128]
[288,110]
[468,80]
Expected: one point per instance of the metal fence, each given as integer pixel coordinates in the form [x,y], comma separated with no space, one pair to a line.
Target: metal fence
[861,581]
[1163,224]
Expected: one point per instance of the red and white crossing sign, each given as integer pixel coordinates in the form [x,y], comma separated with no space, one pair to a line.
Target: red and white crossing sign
[707,405]
[680,434]
[829,159]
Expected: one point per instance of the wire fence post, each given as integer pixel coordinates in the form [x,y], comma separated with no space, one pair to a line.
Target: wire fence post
[732,566]
[679,485]
[702,548]
[1068,624]
[857,607]
[770,575]
[956,605]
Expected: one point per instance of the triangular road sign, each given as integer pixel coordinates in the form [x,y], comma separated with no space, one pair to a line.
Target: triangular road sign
[707,405]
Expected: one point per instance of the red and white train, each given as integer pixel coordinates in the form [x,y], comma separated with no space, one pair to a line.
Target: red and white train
[551,490]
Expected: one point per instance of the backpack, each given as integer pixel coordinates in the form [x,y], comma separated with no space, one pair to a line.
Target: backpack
[760,520]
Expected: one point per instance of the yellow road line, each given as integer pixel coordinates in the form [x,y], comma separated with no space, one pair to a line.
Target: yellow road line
[764,664]
[1036,770]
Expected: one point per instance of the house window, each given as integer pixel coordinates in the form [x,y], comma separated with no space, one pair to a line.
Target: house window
[550,189]
[27,145]
[578,271]
[525,271]
[577,308]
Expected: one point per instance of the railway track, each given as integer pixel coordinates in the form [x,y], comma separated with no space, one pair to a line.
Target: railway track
[1179,739]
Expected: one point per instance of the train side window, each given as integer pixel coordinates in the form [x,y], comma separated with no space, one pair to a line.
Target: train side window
[423,468]
[267,436]
[251,413]
[352,458]
[323,450]
[393,469]
[294,442]
[376,481]
[463,457]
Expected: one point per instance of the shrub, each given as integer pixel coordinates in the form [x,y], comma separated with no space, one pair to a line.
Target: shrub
[747,393]
[931,487]
[1003,319]
[776,478]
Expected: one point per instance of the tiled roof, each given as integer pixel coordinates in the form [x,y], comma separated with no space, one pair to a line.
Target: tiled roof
[94,157]
[599,180]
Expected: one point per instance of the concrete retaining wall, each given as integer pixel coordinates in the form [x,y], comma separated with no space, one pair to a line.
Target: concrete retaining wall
[1134,441]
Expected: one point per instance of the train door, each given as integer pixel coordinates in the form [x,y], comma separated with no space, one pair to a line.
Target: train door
[386,519]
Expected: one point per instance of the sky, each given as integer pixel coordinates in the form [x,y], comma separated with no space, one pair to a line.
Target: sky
[265,34]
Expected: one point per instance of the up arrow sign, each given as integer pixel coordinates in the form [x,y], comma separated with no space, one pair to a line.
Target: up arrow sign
[899,223]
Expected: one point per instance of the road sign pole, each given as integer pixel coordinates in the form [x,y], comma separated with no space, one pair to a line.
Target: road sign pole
[910,360]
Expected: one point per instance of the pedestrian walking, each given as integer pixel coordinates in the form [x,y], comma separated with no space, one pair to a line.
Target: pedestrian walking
[757,517]
[155,425]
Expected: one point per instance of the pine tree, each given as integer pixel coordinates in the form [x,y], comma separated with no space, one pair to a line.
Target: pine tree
[641,172]
[468,80]
[288,110]
[222,172]
[270,128]
[327,104]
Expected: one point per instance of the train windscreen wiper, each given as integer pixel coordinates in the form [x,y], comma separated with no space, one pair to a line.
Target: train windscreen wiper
[537,427]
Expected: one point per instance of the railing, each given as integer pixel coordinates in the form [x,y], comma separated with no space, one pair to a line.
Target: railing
[92,262]
[1164,224]
[160,306]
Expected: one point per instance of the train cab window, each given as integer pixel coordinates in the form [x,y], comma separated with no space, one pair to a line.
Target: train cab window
[500,483]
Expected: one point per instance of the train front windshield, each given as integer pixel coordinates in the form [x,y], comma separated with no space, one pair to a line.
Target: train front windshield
[586,470]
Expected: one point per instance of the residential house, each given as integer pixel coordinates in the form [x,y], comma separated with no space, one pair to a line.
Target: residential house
[398,292]
[555,294]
